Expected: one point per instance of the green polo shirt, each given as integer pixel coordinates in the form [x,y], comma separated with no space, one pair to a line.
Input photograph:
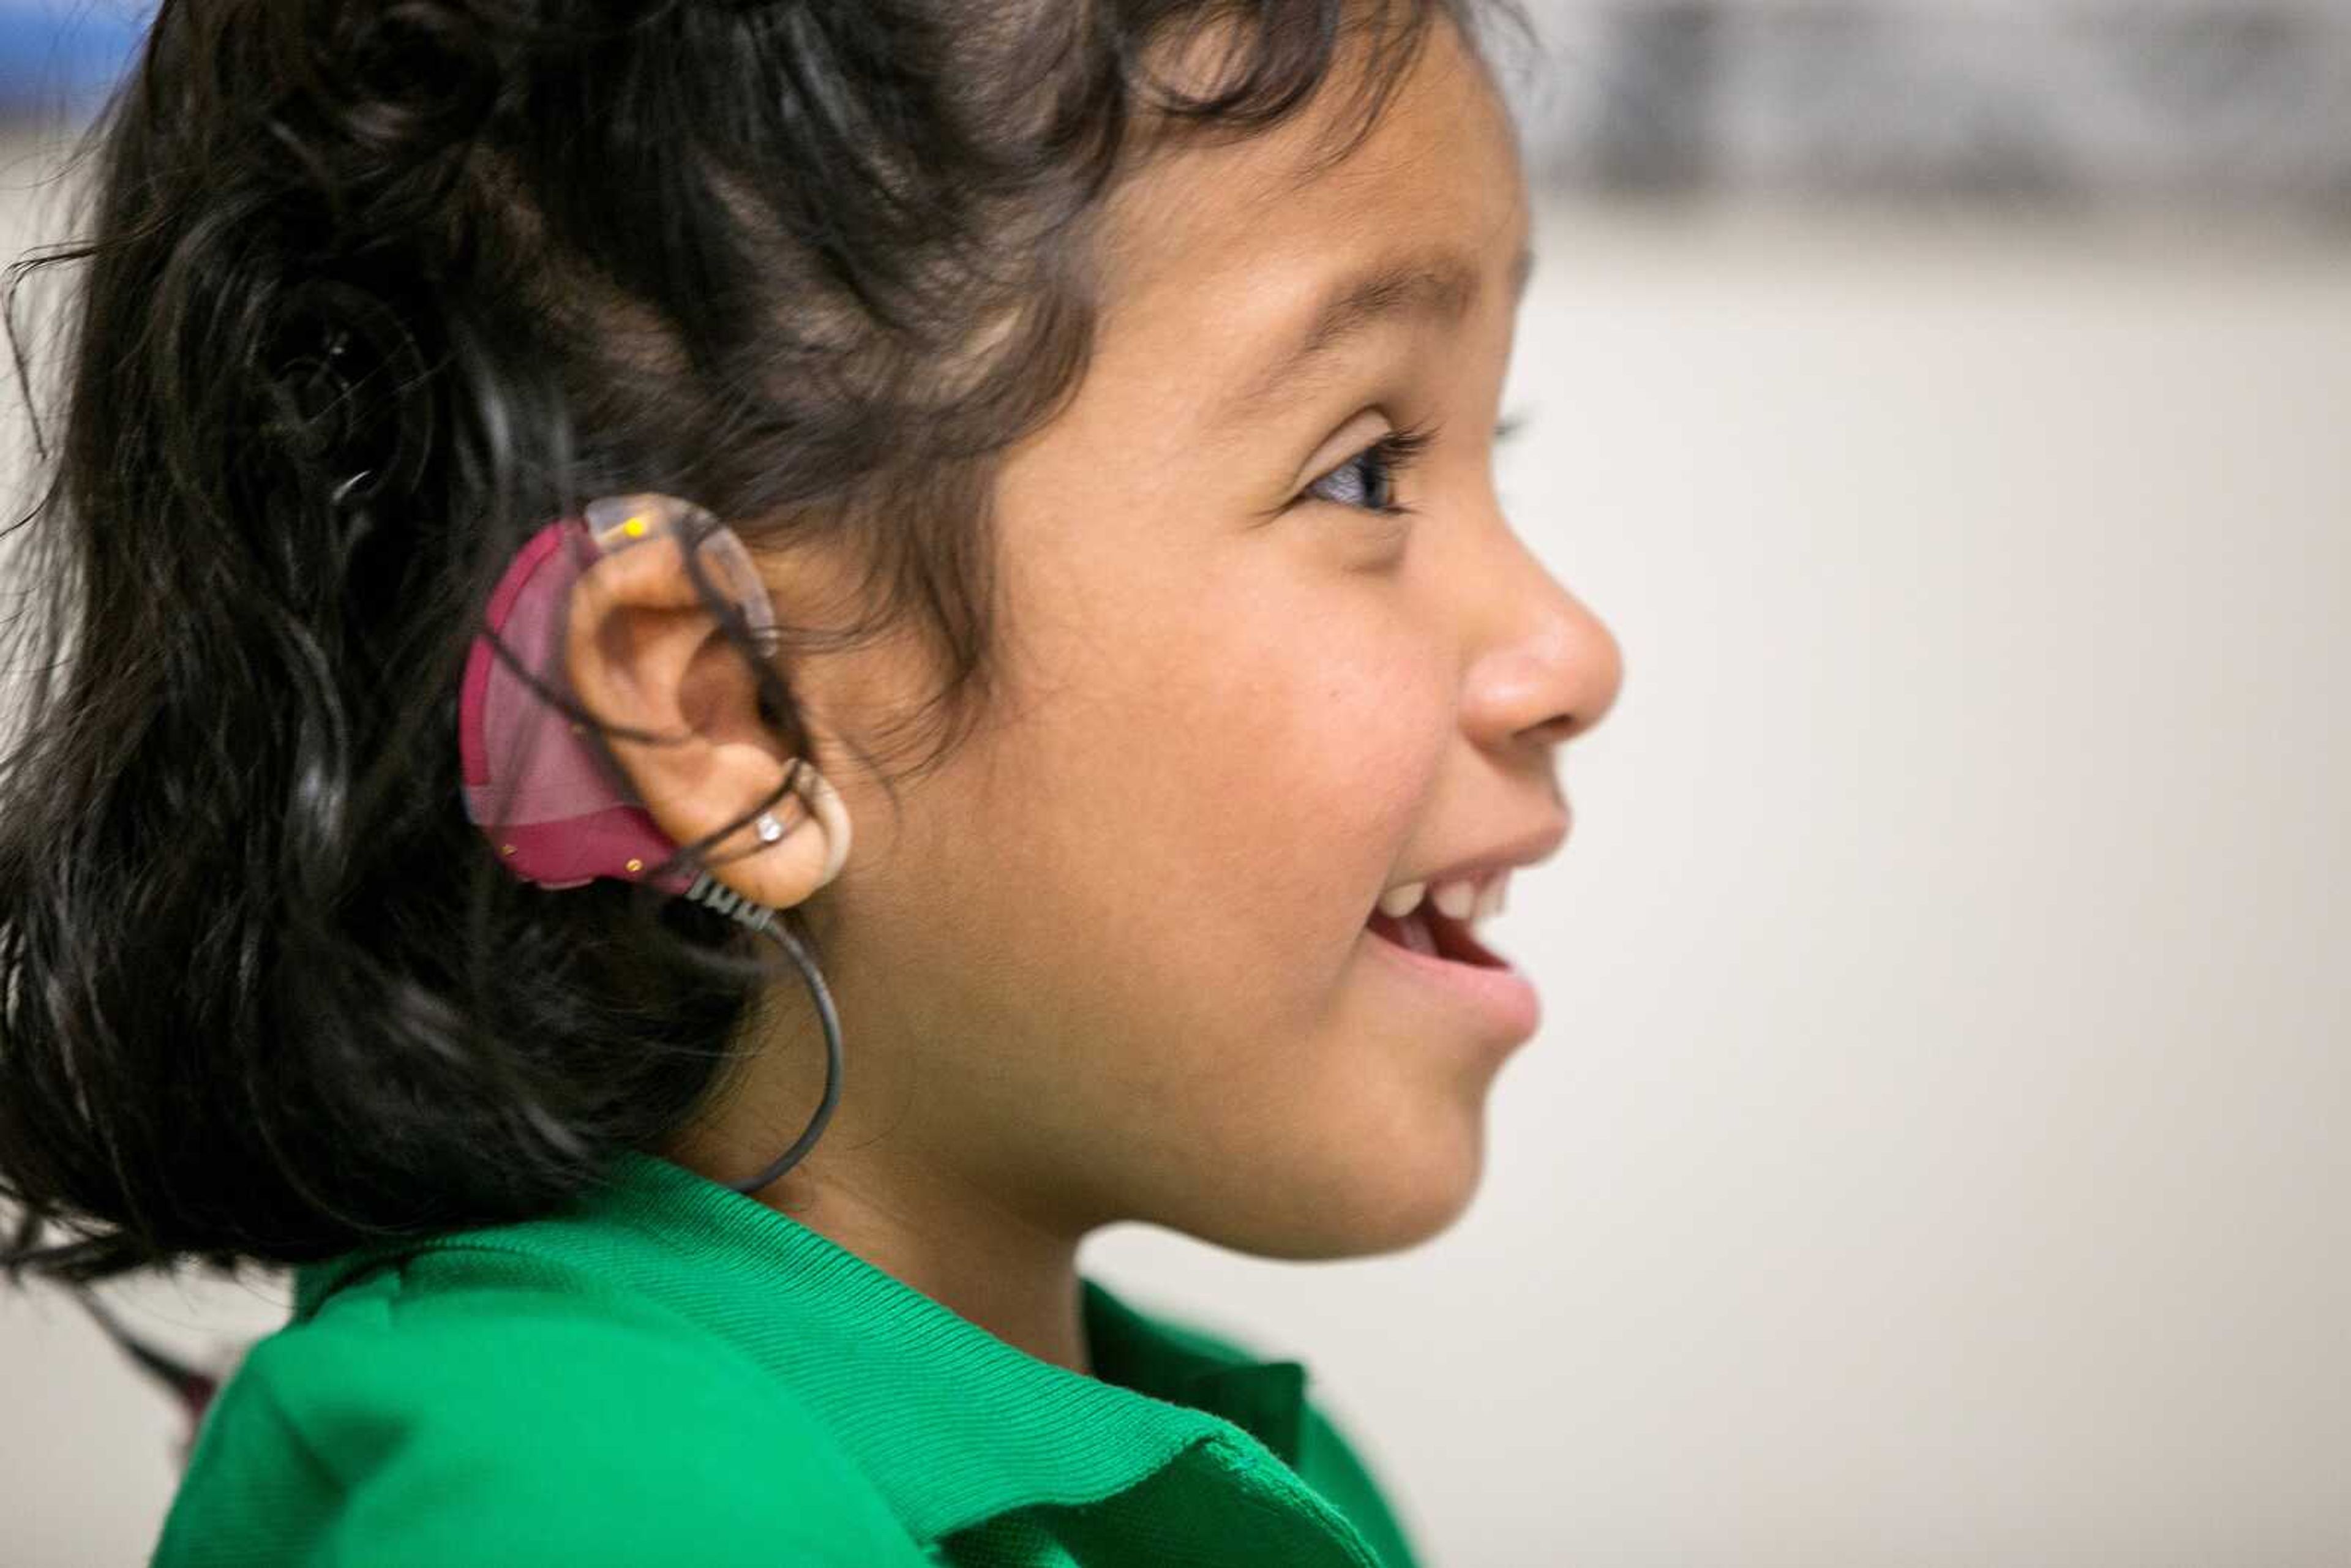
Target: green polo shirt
[669,1371]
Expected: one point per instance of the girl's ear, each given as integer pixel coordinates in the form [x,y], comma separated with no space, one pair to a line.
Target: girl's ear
[643,651]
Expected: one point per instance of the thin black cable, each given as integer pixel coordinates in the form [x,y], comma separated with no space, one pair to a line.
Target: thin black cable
[822,997]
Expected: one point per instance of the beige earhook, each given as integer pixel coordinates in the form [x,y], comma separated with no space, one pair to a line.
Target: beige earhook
[831,816]
[821,804]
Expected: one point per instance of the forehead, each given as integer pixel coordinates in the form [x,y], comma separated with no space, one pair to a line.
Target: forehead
[1230,245]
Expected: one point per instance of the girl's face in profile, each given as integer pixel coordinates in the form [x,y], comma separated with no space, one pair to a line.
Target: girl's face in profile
[1112,961]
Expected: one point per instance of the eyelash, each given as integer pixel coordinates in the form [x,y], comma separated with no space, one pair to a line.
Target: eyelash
[1395,453]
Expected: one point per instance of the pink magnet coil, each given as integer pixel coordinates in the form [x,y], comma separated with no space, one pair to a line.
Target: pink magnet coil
[533,781]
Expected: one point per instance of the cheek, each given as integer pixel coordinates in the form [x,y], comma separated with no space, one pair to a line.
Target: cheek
[1216,745]
[1345,739]
[1262,773]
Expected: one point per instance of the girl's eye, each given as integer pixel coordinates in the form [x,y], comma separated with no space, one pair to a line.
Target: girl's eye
[1368,480]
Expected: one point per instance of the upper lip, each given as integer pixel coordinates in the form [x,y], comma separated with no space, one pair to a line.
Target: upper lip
[1527,848]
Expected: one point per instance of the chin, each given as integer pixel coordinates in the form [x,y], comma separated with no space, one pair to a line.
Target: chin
[1369,1202]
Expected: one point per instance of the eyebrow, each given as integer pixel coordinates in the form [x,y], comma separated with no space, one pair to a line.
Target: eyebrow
[1437,285]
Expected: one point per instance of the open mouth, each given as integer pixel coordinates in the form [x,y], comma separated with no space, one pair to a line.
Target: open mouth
[1429,933]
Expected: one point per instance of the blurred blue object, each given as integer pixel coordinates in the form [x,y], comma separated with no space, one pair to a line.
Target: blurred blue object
[59,59]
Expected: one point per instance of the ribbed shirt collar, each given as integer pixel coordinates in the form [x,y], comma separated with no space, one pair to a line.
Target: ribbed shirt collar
[954,1425]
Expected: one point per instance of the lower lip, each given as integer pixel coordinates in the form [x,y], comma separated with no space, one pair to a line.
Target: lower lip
[1503,1001]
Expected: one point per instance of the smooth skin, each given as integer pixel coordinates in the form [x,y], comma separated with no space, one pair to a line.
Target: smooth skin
[1110,962]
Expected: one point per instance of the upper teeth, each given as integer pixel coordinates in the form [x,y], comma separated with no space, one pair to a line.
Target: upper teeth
[1456,898]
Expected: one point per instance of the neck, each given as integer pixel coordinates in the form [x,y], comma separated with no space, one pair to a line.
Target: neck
[942,1235]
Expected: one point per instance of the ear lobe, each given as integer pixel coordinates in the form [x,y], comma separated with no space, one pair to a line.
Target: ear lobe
[642,652]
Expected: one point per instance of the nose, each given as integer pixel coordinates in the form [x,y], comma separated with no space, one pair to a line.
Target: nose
[1545,667]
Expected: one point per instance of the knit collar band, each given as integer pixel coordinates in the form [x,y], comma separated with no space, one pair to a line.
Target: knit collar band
[953,1423]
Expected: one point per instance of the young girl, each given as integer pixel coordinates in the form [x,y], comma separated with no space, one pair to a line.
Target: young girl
[1053,440]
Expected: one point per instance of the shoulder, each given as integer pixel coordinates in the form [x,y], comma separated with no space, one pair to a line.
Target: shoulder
[459,1407]
[1331,1458]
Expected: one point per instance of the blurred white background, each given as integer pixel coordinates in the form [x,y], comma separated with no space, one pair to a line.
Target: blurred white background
[1932,1153]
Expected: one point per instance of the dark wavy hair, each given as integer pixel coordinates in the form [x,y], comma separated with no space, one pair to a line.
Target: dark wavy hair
[370,290]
